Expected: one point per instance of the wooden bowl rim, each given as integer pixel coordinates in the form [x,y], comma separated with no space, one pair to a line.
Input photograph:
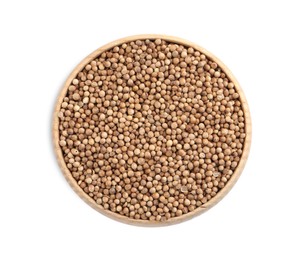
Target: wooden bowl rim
[220,195]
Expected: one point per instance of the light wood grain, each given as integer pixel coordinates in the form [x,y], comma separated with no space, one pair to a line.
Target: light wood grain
[119,217]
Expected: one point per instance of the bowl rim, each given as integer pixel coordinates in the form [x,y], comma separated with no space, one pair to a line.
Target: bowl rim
[147,223]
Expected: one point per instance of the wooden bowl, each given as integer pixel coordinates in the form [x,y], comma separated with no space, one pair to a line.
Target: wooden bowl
[119,217]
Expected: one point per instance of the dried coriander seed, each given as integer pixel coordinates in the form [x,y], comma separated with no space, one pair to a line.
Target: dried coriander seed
[151,129]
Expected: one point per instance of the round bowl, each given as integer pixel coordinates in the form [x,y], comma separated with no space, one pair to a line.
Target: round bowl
[213,201]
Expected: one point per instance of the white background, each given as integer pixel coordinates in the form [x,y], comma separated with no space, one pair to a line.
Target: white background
[42,41]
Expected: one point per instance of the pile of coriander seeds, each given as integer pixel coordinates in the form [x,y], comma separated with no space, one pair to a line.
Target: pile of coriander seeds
[151,129]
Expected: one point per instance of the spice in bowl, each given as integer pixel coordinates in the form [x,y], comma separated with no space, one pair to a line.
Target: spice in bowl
[151,130]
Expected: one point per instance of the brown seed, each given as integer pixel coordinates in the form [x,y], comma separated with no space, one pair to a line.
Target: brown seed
[75,81]
[169,143]
[102,93]
[184,189]
[76,96]
[187,202]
